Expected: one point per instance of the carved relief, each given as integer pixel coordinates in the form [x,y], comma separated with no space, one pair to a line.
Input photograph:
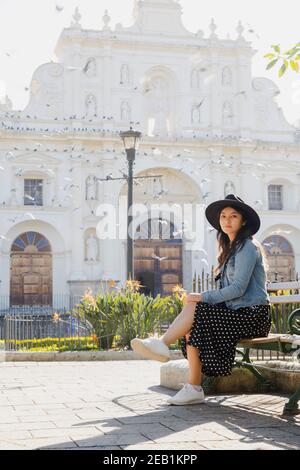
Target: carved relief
[226,77]
[91,188]
[91,106]
[91,247]
[125,111]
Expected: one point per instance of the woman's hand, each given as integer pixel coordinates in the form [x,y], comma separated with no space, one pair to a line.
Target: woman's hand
[193,297]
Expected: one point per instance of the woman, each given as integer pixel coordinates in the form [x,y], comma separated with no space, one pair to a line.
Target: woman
[212,323]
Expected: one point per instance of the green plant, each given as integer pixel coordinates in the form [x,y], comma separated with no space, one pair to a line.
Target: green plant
[73,343]
[100,312]
[119,316]
[291,58]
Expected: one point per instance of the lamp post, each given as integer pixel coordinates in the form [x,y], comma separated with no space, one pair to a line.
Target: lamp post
[131,141]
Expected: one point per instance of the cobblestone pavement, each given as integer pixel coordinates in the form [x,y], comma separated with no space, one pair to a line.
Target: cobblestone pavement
[120,405]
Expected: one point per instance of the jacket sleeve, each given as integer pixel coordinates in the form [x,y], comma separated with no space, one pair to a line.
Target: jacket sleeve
[245,260]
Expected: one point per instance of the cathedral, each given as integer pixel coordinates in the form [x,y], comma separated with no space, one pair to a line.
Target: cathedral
[208,129]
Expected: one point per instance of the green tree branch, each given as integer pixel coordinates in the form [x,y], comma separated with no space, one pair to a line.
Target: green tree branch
[289,58]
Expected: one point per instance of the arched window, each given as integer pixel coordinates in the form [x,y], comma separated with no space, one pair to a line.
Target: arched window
[34,239]
[157,229]
[281,258]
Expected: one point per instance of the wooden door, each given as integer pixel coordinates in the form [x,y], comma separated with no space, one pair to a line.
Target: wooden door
[158,265]
[31,279]
[31,270]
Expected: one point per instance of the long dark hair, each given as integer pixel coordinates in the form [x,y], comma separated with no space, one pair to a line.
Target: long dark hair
[226,248]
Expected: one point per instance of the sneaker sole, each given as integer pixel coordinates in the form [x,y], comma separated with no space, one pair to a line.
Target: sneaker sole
[139,347]
[193,402]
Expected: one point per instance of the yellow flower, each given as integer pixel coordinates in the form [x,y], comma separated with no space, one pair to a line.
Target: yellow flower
[94,338]
[180,291]
[133,285]
[183,297]
[89,299]
[55,317]
[178,288]
[111,283]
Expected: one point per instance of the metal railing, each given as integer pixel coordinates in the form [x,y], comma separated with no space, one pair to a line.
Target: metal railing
[31,327]
[24,328]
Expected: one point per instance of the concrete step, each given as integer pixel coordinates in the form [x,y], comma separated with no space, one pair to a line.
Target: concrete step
[284,374]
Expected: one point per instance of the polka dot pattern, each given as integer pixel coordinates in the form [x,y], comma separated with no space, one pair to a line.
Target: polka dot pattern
[217,329]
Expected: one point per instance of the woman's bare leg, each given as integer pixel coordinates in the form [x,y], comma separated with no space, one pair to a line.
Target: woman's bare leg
[195,366]
[181,325]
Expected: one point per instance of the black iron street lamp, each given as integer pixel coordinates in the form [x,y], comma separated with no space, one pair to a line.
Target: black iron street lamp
[131,141]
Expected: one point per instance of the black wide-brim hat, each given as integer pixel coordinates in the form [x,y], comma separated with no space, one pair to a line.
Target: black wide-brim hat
[212,212]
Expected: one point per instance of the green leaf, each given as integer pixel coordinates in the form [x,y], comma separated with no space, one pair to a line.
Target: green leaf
[282,70]
[276,48]
[294,65]
[291,51]
[297,57]
[269,56]
[271,64]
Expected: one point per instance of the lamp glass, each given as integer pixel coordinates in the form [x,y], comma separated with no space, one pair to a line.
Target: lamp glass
[130,139]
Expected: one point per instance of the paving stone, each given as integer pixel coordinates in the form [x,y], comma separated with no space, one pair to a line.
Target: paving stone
[49,443]
[82,406]
[115,439]
[238,445]
[170,446]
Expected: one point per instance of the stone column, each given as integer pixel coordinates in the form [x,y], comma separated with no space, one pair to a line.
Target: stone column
[76,218]
[110,248]
[242,102]
[215,102]
[106,83]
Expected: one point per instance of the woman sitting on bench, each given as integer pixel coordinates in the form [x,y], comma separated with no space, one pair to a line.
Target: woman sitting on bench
[212,323]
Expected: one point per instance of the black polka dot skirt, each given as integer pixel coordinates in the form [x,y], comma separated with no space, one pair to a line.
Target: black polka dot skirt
[217,329]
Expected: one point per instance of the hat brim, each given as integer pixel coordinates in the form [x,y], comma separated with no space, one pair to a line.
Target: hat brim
[212,214]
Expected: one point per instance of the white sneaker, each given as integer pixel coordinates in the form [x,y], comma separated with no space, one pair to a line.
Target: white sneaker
[188,395]
[151,348]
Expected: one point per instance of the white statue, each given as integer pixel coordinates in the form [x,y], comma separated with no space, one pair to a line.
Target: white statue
[91,188]
[125,111]
[229,188]
[91,248]
[160,120]
[90,106]
[124,74]
[195,79]
[196,118]
[158,87]
[226,76]
[90,68]
[227,113]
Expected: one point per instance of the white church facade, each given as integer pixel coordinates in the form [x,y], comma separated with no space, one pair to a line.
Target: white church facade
[209,128]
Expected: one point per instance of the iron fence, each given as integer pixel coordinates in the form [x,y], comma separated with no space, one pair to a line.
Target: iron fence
[33,327]
[44,327]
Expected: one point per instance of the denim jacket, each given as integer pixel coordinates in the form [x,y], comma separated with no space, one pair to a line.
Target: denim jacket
[243,280]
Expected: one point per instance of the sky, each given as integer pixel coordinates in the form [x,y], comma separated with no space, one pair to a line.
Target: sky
[29,30]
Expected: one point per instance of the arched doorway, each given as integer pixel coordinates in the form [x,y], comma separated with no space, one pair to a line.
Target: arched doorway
[31,270]
[281,258]
[157,256]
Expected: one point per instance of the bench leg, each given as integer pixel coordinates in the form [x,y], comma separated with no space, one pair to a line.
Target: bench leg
[262,380]
[208,384]
[246,362]
[292,407]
